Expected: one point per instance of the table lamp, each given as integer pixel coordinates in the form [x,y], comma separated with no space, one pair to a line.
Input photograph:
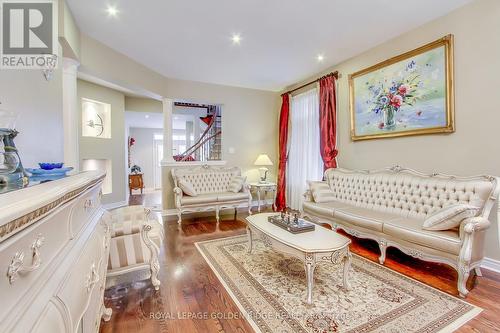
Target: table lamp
[263,160]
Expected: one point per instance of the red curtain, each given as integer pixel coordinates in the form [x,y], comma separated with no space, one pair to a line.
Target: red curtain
[283,153]
[328,121]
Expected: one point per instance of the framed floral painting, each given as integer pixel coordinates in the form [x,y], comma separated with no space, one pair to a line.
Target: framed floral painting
[409,94]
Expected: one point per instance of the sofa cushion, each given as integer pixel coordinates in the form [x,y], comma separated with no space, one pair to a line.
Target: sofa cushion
[187,188]
[321,192]
[199,199]
[318,208]
[231,196]
[364,217]
[449,217]
[236,183]
[411,231]
[324,209]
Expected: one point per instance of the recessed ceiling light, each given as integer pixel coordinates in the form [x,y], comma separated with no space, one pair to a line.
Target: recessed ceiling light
[112,11]
[236,38]
[320,57]
[146,116]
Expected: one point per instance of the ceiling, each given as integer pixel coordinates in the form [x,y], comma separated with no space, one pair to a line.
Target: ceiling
[280,40]
[143,119]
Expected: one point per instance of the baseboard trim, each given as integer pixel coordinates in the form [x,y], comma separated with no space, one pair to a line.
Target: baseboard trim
[491,264]
[114,205]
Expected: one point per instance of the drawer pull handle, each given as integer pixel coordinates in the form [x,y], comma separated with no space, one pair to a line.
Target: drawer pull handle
[92,278]
[17,265]
[89,203]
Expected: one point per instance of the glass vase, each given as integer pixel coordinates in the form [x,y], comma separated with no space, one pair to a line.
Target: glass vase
[389,119]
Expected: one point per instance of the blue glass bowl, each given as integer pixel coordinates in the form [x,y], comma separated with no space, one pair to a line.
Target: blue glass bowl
[50,166]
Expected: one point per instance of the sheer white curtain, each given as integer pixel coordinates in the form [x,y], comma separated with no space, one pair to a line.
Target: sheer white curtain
[304,158]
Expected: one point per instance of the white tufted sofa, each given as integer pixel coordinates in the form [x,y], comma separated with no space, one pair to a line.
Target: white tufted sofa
[212,186]
[390,206]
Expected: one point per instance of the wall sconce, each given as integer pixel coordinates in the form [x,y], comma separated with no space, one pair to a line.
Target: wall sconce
[50,66]
[96,123]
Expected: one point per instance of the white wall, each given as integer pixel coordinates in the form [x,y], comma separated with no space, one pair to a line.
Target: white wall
[39,105]
[250,117]
[139,104]
[142,152]
[69,33]
[114,148]
[473,148]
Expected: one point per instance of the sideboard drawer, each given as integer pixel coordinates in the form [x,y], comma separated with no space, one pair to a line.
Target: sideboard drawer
[92,317]
[84,207]
[51,320]
[24,257]
[86,277]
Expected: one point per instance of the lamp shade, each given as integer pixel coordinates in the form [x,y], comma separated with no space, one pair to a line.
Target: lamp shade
[263,160]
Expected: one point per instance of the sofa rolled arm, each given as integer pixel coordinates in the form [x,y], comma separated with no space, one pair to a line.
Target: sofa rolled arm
[178,191]
[245,188]
[308,196]
[477,223]
[152,220]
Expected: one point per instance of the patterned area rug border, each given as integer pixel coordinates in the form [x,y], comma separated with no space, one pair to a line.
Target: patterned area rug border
[468,311]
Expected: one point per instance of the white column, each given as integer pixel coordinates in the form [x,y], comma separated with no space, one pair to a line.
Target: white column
[70,113]
[168,108]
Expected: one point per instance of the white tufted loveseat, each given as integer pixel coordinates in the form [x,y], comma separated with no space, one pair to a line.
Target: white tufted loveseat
[212,187]
[390,206]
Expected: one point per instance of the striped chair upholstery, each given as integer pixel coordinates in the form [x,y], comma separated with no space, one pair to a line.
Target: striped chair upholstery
[135,242]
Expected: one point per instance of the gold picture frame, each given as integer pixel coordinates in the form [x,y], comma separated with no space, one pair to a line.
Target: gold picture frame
[410,121]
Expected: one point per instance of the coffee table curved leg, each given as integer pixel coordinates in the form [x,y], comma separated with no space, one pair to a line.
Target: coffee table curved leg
[310,264]
[347,267]
[250,240]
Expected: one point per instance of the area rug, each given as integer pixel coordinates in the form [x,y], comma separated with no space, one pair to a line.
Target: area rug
[270,290]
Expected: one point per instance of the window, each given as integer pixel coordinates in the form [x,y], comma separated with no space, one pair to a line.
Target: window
[304,157]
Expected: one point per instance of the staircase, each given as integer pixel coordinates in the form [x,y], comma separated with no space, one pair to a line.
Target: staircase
[209,146]
[215,151]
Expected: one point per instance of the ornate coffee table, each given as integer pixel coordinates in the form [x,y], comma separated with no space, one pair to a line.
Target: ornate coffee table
[320,245]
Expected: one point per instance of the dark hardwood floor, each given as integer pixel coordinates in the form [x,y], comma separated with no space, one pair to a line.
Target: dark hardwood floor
[189,287]
[147,199]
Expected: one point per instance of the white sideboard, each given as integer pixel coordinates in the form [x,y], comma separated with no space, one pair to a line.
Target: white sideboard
[54,246]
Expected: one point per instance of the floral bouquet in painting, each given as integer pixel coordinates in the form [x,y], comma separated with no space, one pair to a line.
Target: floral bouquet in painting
[389,99]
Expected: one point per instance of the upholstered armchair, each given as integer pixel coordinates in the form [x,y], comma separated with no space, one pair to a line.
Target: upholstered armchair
[136,237]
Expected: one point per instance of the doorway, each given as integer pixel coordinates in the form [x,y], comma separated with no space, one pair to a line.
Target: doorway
[145,152]
[157,158]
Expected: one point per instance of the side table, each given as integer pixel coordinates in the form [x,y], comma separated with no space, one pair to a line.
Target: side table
[264,188]
[135,182]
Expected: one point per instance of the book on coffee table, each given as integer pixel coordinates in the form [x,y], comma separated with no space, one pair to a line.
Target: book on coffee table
[295,226]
